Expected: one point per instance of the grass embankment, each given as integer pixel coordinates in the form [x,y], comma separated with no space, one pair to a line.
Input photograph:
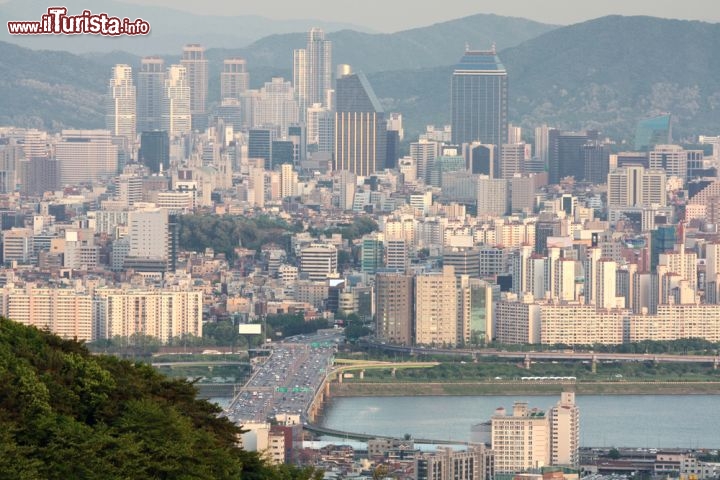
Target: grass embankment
[358,389]
[500,377]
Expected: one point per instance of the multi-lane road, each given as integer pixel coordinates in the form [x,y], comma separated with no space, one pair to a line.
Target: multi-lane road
[287,381]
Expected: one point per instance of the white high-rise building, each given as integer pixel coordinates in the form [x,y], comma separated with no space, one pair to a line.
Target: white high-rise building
[532,438]
[158,313]
[196,65]
[684,264]
[492,196]
[672,159]
[436,308]
[513,158]
[319,261]
[320,127]
[85,156]
[424,153]
[396,255]
[150,83]
[288,180]
[635,186]
[148,233]
[276,105]
[176,118]
[542,143]
[605,284]
[564,278]
[63,312]
[521,441]
[565,428]
[120,104]
[712,268]
[312,71]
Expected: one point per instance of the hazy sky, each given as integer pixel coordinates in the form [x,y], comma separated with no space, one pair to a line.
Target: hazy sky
[393,15]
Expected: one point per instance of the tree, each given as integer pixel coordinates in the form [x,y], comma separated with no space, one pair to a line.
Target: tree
[614,453]
[67,414]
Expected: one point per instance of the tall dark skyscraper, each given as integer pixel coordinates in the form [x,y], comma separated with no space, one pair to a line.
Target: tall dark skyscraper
[260,145]
[479,101]
[566,156]
[155,150]
[360,127]
[196,66]
[150,82]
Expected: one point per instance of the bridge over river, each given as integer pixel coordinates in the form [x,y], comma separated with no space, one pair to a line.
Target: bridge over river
[364,437]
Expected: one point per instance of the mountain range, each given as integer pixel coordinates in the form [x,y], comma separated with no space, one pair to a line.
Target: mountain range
[169,28]
[606,73]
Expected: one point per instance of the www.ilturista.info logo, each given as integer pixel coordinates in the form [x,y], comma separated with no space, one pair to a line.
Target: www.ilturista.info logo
[58,22]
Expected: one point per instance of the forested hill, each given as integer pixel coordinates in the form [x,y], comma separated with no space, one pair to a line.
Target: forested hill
[65,414]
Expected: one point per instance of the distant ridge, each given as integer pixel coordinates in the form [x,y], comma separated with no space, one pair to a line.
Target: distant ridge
[428,46]
[170,28]
[605,73]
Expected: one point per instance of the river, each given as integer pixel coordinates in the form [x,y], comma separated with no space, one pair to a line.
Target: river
[637,421]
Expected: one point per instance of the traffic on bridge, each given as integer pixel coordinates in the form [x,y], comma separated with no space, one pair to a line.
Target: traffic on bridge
[287,381]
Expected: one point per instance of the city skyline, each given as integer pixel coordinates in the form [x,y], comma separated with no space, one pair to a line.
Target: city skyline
[364,218]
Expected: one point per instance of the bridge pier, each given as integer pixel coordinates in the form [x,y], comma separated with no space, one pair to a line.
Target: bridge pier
[393,372]
[716,363]
[362,374]
[594,364]
[528,362]
[340,375]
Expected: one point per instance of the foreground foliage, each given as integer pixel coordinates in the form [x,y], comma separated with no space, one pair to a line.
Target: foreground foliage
[67,414]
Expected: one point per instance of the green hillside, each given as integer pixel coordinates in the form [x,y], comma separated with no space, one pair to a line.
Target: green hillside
[66,414]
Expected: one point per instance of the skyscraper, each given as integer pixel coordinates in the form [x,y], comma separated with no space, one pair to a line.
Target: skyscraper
[566,157]
[176,102]
[155,150]
[312,71]
[276,106]
[436,308]
[360,127]
[196,65]
[565,427]
[150,82]
[234,79]
[478,98]
[120,106]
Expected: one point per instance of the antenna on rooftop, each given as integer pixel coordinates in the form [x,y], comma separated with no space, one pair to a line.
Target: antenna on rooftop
[467,46]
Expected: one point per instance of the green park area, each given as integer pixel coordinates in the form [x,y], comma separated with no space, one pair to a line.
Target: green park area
[494,376]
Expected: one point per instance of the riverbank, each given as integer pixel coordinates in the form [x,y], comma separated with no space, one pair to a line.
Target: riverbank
[394,389]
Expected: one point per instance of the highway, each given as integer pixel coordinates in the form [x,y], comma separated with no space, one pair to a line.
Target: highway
[287,381]
[550,355]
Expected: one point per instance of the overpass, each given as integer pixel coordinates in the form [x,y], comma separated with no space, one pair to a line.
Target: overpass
[364,437]
[336,372]
[201,363]
[528,357]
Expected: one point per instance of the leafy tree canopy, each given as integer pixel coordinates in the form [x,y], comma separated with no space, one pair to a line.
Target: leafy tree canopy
[65,413]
